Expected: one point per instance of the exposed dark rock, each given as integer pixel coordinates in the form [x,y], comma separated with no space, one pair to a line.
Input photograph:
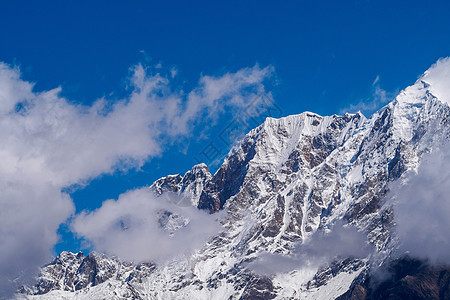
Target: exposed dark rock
[258,288]
[407,278]
[228,179]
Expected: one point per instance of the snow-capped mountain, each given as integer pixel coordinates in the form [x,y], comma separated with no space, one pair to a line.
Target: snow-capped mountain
[287,180]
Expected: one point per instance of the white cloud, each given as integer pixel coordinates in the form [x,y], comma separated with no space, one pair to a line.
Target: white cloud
[215,95]
[422,209]
[48,143]
[173,72]
[132,227]
[319,250]
[376,80]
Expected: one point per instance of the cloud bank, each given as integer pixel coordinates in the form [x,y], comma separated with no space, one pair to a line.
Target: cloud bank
[49,143]
[422,209]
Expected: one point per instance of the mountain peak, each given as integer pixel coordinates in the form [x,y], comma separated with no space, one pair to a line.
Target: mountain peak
[286,185]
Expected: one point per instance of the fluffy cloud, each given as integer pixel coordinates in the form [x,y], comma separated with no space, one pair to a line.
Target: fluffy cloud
[142,227]
[49,143]
[422,209]
[320,249]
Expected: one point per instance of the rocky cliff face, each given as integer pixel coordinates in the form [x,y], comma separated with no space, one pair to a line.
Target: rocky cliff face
[405,278]
[286,180]
[75,272]
[190,185]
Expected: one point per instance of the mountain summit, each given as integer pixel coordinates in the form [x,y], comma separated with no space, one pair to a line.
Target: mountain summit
[299,193]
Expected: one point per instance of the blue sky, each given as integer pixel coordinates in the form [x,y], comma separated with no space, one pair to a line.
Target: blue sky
[326,57]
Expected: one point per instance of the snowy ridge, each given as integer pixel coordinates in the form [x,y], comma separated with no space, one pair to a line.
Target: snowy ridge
[286,180]
[190,185]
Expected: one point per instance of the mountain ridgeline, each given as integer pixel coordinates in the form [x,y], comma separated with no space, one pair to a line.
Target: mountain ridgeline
[285,183]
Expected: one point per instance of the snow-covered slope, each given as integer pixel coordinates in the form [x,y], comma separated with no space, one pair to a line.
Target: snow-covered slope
[286,180]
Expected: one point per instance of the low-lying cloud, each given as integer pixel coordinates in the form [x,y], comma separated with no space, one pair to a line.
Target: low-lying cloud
[422,209]
[144,228]
[320,249]
[49,143]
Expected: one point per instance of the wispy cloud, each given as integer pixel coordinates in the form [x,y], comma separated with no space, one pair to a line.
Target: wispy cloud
[49,143]
[378,98]
[319,250]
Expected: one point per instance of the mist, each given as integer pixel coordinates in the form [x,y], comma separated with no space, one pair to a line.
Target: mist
[141,227]
[422,209]
[322,248]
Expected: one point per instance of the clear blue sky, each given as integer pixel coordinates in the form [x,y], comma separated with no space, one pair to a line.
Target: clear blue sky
[326,55]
